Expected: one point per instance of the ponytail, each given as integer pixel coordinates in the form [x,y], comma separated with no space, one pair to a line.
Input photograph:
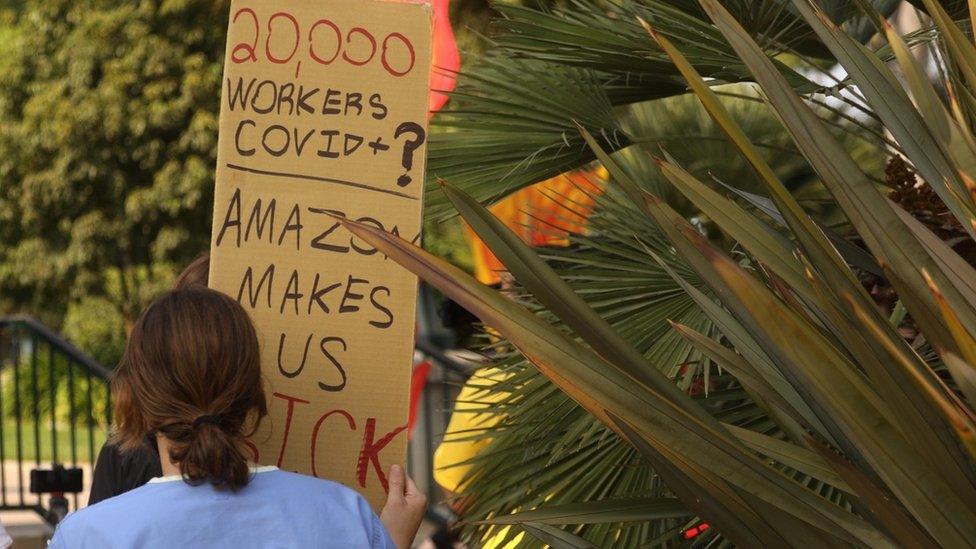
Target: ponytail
[207,453]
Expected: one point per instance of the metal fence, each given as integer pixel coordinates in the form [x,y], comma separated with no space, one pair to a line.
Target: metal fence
[55,409]
[447,373]
[447,369]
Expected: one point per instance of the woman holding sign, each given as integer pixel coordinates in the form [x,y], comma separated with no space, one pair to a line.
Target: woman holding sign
[191,376]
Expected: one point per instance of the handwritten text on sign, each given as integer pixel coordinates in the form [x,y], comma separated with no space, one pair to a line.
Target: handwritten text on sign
[323,115]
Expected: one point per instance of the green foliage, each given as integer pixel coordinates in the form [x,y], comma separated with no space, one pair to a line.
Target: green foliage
[569,456]
[549,67]
[95,325]
[108,114]
[682,128]
[826,426]
[100,172]
[446,239]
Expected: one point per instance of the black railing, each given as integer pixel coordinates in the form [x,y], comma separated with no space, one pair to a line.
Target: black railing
[445,377]
[449,368]
[55,410]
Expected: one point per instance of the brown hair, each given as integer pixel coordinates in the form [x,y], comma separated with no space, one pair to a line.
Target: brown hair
[191,371]
[197,273]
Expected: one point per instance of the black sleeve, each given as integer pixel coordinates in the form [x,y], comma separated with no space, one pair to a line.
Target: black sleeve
[117,472]
[106,475]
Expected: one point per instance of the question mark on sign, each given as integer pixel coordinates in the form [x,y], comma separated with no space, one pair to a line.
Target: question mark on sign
[409,146]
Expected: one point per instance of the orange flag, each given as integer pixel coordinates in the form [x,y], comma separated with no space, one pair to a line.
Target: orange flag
[447,60]
[543,214]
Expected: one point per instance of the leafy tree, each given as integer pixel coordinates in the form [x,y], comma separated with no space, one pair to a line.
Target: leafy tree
[108,128]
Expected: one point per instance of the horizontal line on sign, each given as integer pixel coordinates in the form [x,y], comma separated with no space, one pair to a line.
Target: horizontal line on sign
[319,178]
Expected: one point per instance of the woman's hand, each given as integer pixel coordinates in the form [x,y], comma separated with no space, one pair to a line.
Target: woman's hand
[404,509]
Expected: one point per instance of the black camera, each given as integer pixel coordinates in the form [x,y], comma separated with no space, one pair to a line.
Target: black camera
[55,480]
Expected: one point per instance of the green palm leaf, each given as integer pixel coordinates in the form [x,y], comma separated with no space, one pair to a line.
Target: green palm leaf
[793,358]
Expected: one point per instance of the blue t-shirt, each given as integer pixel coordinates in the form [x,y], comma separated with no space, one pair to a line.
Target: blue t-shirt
[275,509]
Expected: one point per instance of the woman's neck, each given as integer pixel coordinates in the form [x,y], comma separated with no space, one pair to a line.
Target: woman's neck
[168,466]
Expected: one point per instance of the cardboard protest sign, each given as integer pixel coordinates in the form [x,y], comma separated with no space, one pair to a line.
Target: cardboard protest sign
[323,113]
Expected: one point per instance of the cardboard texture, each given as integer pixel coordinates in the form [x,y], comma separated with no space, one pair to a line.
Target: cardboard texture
[324,113]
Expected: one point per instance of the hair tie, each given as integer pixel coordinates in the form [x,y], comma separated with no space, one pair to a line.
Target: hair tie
[207,418]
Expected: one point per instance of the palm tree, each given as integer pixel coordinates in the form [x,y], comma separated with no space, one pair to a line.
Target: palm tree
[737,355]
